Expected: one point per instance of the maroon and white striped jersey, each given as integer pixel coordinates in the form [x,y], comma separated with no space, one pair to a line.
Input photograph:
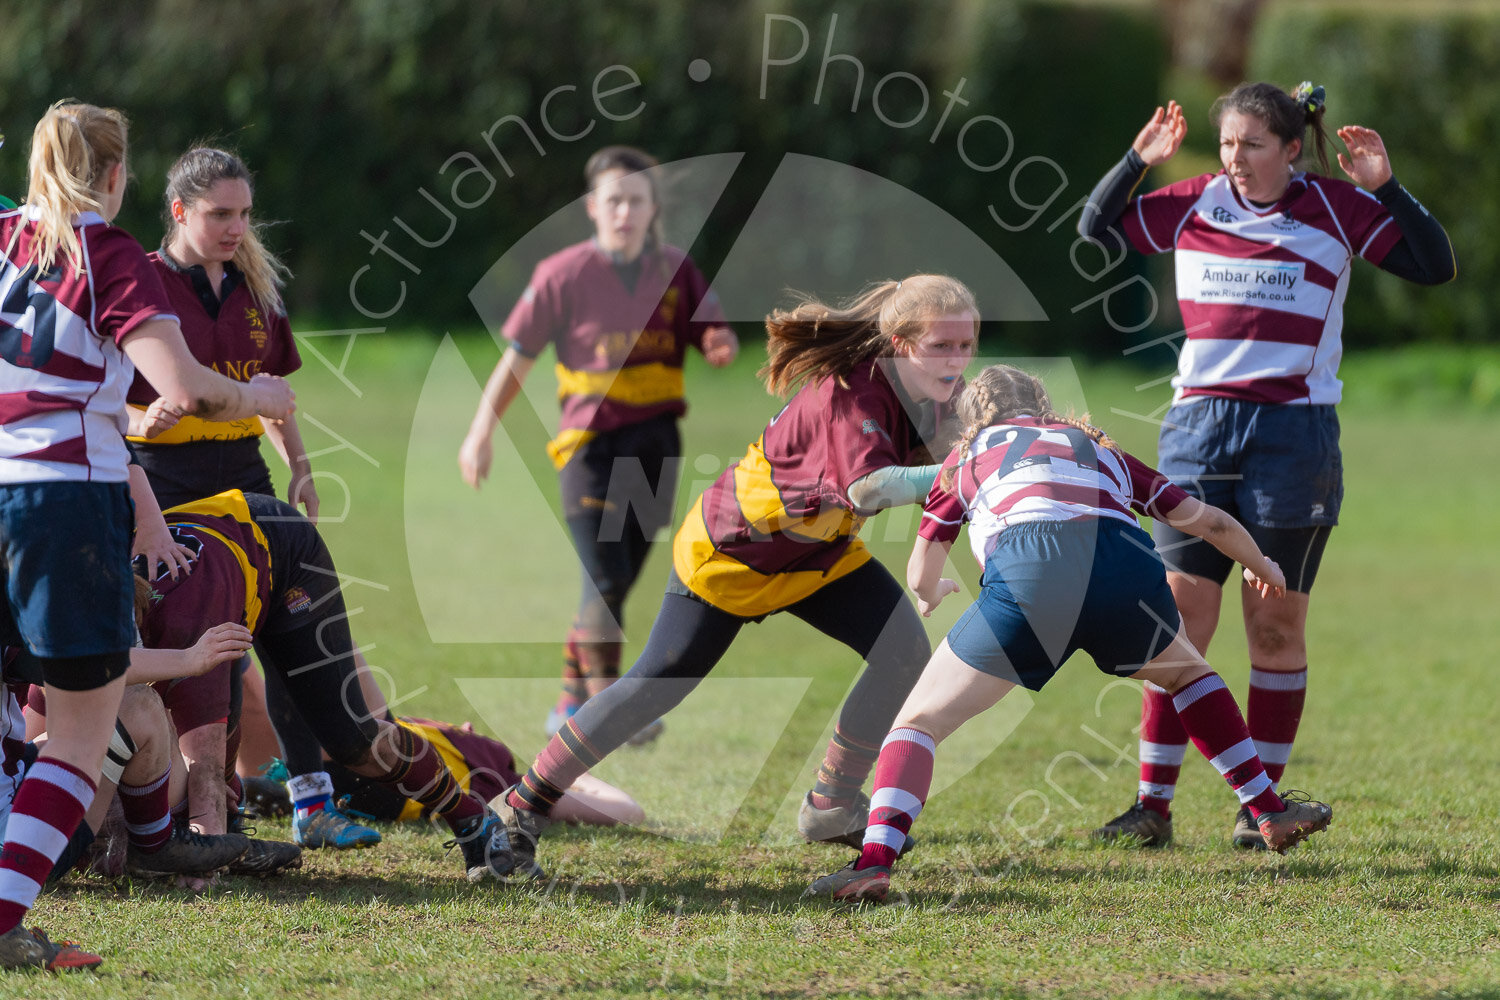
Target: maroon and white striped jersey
[1025,471]
[1261,290]
[63,376]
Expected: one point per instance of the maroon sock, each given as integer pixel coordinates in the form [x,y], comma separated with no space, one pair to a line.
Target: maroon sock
[148,812]
[565,757]
[903,777]
[1162,747]
[1273,713]
[845,766]
[53,797]
[574,693]
[1214,724]
[419,773]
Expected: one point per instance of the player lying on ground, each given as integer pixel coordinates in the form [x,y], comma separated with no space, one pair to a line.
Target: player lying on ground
[483,766]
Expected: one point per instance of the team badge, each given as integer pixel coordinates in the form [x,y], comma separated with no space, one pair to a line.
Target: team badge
[257,327]
[297,600]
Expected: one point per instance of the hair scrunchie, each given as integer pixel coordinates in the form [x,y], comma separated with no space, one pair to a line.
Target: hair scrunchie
[1309,98]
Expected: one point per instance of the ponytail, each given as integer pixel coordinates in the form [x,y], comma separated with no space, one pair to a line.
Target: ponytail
[813,341]
[73,149]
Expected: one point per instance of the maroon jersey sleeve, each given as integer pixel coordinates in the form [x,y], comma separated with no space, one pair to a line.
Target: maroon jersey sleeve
[1151,492]
[864,429]
[287,359]
[127,291]
[1152,220]
[944,511]
[1364,220]
[539,314]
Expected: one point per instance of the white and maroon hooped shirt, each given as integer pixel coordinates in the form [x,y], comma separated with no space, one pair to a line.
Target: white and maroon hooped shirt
[1262,290]
[63,376]
[1025,471]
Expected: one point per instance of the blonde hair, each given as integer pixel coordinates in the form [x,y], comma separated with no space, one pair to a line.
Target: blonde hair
[814,341]
[1000,393]
[73,149]
[189,180]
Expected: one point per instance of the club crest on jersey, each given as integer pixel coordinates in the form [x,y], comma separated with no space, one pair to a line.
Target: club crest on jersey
[257,326]
[297,600]
[1286,223]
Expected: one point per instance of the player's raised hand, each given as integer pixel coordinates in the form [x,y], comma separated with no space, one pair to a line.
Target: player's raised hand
[1366,163]
[1162,136]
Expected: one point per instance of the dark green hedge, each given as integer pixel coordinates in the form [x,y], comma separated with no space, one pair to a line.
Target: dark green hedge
[349,111]
[1429,81]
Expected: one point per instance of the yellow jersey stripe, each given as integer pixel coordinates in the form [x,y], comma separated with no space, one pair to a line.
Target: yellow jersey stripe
[191,428]
[636,385]
[730,585]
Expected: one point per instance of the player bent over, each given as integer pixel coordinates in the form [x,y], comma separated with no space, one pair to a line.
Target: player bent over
[260,561]
[1049,501]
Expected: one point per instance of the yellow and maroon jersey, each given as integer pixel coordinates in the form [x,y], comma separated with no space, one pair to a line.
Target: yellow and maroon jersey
[481,765]
[241,341]
[619,350]
[231,577]
[779,524]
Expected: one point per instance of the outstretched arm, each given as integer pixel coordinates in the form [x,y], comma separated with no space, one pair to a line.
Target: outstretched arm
[219,644]
[1230,537]
[893,486]
[157,350]
[475,454]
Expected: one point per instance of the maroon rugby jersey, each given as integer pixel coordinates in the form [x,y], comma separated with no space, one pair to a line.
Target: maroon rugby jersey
[779,524]
[619,352]
[63,376]
[231,577]
[242,341]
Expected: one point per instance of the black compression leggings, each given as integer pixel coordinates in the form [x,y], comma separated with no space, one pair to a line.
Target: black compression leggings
[312,687]
[866,611]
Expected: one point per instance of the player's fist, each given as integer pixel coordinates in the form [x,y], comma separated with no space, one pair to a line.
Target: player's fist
[274,397]
[720,346]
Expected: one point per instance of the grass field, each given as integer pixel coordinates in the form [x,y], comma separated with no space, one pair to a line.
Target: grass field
[463,598]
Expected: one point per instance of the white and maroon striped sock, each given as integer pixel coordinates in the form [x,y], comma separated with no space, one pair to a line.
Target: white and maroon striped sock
[1273,713]
[1163,745]
[47,809]
[1214,724]
[903,777]
[148,819]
